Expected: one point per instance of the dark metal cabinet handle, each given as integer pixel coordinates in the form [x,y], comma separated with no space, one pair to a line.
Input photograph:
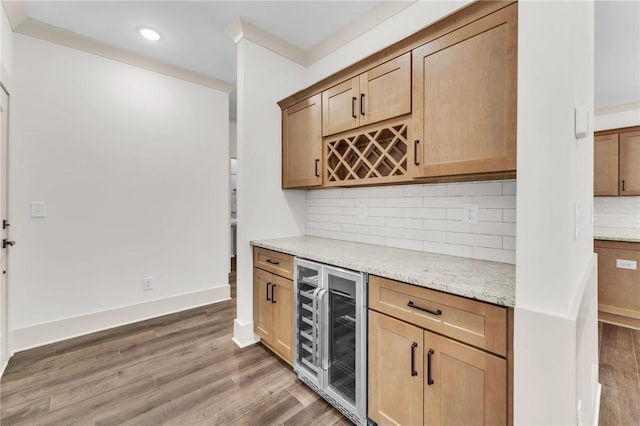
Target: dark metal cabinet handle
[429,379]
[267,292]
[411,305]
[273,262]
[353,107]
[273,297]
[623,184]
[361,103]
[6,243]
[317,162]
[415,152]
[414,345]
[5,224]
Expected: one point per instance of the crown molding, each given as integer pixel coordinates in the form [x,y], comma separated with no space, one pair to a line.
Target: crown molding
[42,31]
[242,29]
[14,9]
[375,16]
[632,106]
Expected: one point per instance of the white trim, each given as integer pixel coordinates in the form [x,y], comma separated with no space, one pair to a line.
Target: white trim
[242,29]
[55,331]
[4,366]
[617,116]
[243,334]
[40,30]
[596,408]
[632,106]
[14,9]
[375,16]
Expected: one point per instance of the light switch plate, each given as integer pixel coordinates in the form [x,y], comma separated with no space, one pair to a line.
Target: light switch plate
[38,209]
[582,122]
[626,264]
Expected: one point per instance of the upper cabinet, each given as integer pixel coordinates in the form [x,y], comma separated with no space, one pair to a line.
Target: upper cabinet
[378,94]
[302,144]
[464,99]
[616,155]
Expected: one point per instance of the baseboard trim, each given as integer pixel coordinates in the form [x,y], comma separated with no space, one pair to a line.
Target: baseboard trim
[55,331]
[243,334]
[4,366]
[596,409]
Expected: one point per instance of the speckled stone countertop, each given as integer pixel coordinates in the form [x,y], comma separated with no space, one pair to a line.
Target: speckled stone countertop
[631,235]
[491,282]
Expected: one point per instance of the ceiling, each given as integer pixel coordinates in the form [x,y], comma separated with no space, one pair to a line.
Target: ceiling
[193,33]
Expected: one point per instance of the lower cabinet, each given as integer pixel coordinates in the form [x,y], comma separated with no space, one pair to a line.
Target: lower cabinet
[273,312]
[418,377]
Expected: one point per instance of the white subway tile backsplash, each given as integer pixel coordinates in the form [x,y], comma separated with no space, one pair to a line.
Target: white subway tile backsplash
[616,212]
[421,217]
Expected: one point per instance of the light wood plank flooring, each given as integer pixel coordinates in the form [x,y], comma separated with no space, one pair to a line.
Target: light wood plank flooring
[181,369]
[619,375]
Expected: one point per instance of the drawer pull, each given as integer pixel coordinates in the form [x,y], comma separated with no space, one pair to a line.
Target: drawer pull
[429,379]
[273,262]
[414,345]
[411,305]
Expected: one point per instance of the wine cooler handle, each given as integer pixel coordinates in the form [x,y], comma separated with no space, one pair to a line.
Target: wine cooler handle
[414,345]
[324,308]
[429,379]
[314,329]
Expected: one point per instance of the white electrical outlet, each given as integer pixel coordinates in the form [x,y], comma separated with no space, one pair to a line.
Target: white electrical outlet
[147,283]
[626,264]
[38,209]
[470,213]
[362,210]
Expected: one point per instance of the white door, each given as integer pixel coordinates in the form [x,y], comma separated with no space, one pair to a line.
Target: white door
[4,234]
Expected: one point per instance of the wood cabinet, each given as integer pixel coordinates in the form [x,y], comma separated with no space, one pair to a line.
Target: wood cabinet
[302,144]
[605,165]
[419,377]
[378,94]
[273,304]
[618,288]
[616,155]
[464,99]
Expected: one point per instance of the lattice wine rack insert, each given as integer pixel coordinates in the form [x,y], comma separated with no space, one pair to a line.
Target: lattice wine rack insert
[376,155]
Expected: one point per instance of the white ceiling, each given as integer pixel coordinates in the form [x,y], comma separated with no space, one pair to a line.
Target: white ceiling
[617,52]
[193,33]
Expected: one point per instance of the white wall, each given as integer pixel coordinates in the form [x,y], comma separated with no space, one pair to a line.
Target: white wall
[6,49]
[555,272]
[421,217]
[133,166]
[625,115]
[233,139]
[264,209]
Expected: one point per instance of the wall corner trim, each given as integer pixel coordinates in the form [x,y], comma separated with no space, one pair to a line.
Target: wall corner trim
[15,12]
[55,331]
[243,334]
[50,33]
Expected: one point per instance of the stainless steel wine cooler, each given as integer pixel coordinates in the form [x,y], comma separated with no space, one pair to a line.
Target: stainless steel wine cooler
[331,330]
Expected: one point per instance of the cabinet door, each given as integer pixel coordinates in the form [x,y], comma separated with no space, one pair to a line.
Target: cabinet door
[385,91]
[339,107]
[605,165]
[618,289]
[302,144]
[464,94]
[262,310]
[395,371]
[463,385]
[282,338]
[630,163]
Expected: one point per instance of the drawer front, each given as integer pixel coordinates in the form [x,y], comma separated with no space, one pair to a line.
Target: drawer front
[477,323]
[273,261]
[618,288]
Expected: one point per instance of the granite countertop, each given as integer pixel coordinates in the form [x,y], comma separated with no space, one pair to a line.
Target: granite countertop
[483,280]
[631,235]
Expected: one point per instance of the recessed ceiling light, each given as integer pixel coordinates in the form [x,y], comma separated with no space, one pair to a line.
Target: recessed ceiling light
[149,33]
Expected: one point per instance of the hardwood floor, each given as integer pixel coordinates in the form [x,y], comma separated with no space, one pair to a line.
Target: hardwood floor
[619,349]
[181,369]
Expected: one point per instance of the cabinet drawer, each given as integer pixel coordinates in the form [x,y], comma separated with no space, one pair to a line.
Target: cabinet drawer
[618,288]
[477,323]
[273,261]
